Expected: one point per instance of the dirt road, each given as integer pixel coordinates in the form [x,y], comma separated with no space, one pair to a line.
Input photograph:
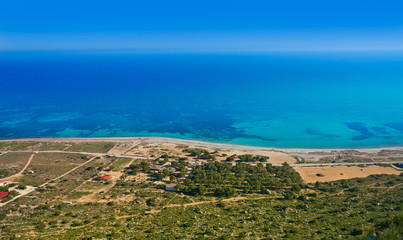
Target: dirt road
[32,189]
[19,174]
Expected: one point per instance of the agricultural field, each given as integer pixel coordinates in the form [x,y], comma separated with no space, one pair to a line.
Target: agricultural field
[333,173]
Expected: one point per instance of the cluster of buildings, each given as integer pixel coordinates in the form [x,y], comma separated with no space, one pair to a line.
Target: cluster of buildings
[104,178]
[160,167]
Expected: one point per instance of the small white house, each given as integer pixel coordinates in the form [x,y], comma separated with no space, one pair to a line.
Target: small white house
[3,183]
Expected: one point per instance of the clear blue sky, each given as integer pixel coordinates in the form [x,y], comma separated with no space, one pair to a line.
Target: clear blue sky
[201,25]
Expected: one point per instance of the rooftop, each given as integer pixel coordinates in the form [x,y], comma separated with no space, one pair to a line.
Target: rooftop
[3,194]
[103,177]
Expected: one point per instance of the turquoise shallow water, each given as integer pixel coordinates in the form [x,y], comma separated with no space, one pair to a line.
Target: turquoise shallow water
[310,100]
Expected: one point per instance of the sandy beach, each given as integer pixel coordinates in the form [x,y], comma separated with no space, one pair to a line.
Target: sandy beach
[204,144]
[302,151]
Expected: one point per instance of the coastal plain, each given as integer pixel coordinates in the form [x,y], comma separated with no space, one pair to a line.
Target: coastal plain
[75,188]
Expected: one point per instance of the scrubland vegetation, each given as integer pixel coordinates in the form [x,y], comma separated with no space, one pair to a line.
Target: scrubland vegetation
[349,209]
[97,147]
[12,163]
[239,198]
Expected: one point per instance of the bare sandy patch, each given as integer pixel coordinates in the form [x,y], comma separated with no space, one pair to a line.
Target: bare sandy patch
[158,149]
[333,173]
[122,148]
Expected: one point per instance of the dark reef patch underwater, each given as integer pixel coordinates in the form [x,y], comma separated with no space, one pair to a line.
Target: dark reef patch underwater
[310,100]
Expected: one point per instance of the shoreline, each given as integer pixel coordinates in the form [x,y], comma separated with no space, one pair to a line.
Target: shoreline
[311,163]
[205,144]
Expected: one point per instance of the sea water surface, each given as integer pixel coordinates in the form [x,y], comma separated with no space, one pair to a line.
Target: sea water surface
[309,100]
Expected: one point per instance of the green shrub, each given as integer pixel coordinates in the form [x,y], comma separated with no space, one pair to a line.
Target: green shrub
[40,226]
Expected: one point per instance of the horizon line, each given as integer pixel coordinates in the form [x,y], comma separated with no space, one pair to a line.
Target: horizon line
[171,51]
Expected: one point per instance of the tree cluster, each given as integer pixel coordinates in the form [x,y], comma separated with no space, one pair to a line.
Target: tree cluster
[224,179]
[251,158]
[247,158]
[135,168]
[200,153]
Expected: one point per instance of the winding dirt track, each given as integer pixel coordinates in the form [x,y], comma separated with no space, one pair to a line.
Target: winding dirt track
[19,174]
[46,183]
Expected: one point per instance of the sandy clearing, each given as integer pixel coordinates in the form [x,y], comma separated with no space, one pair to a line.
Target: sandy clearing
[333,173]
[122,148]
[157,149]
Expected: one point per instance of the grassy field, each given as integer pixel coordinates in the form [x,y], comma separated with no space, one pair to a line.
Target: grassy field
[12,163]
[56,191]
[119,163]
[34,146]
[15,146]
[93,147]
[47,166]
[76,195]
[49,146]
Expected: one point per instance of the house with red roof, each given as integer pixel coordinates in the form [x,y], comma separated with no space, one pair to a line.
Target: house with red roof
[3,195]
[103,178]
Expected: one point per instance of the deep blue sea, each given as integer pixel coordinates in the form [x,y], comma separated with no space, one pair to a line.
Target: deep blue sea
[310,100]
